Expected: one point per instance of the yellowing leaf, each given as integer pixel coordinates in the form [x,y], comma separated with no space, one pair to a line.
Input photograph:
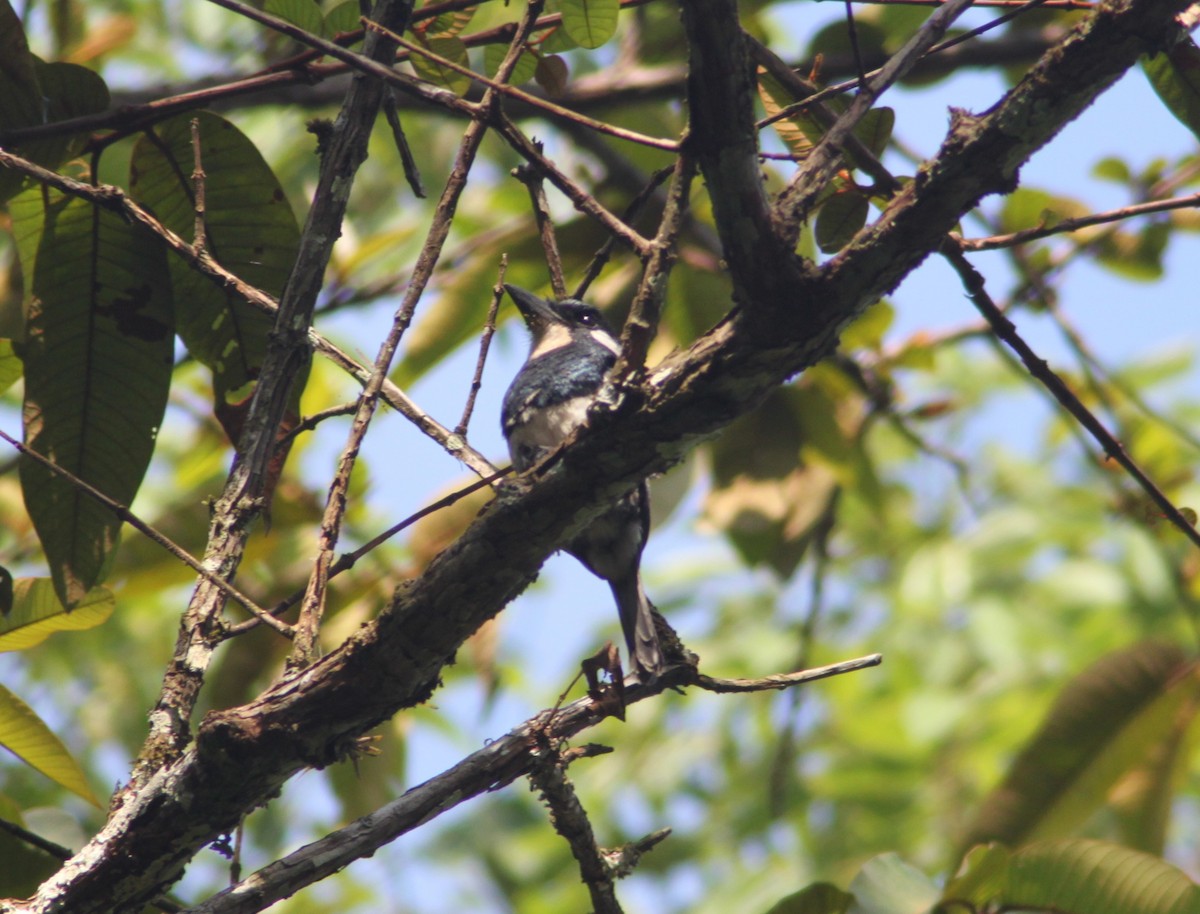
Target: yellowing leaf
[26,736]
[37,613]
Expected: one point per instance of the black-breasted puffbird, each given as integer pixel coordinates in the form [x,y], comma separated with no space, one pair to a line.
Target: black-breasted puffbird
[572,350]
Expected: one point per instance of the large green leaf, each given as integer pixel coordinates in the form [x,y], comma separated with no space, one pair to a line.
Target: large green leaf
[33,93]
[251,231]
[303,13]
[26,736]
[1104,723]
[37,613]
[1093,877]
[590,23]
[1175,76]
[98,356]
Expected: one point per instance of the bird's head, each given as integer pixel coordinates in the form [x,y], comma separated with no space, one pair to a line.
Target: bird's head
[554,324]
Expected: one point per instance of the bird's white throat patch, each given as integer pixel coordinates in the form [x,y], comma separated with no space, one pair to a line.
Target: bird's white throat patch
[555,337]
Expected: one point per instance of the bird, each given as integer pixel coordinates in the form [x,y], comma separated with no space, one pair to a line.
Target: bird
[572,349]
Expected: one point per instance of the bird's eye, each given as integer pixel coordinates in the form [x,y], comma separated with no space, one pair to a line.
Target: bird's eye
[587,319]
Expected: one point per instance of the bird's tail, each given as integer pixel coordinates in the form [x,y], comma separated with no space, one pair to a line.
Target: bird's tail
[637,622]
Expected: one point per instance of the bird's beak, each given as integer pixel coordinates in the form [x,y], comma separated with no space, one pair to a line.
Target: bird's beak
[536,310]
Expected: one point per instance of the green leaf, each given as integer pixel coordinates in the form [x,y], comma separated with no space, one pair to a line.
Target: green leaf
[590,22]
[345,17]
[1029,207]
[1112,169]
[527,63]
[1094,877]
[302,13]
[98,357]
[868,330]
[556,41]
[64,91]
[26,736]
[875,129]
[818,898]
[11,367]
[1175,76]
[1104,722]
[982,877]
[840,219]
[451,49]
[888,885]
[251,231]
[37,613]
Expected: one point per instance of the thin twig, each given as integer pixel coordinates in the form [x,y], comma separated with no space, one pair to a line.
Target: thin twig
[115,200]
[349,559]
[1004,328]
[604,254]
[548,775]
[620,133]
[584,202]
[412,174]
[485,342]
[839,88]
[1064,226]
[151,533]
[497,764]
[313,606]
[532,179]
[852,33]
[787,680]
[814,173]
[308,423]
[644,315]
[199,206]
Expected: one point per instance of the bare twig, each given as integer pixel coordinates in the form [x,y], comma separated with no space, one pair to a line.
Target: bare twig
[532,179]
[814,173]
[349,559]
[1019,7]
[584,201]
[548,775]
[199,205]
[602,256]
[152,534]
[308,423]
[787,680]
[313,606]
[412,174]
[1080,222]
[541,104]
[1004,328]
[644,316]
[115,200]
[496,765]
[485,342]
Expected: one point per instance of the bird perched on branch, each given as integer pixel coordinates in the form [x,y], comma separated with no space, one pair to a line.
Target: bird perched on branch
[572,350]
